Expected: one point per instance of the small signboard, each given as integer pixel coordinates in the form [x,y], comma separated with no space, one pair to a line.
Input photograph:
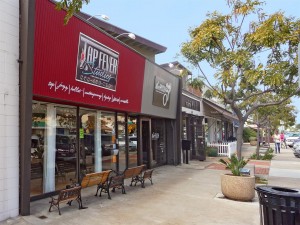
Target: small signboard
[81,133]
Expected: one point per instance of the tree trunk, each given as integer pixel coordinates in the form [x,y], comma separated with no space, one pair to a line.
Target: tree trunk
[269,134]
[257,142]
[239,137]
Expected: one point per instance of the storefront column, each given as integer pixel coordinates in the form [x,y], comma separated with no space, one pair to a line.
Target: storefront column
[49,153]
[98,150]
[27,31]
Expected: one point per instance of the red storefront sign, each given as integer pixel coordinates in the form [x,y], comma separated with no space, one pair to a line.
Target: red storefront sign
[80,64]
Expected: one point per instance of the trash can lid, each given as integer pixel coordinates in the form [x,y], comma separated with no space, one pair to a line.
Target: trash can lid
[282,191]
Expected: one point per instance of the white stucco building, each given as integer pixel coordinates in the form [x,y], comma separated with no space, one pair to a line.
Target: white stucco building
[9,109]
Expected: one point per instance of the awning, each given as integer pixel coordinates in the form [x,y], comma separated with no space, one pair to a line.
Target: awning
[211,109]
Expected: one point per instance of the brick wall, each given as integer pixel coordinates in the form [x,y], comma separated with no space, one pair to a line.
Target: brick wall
[9,109]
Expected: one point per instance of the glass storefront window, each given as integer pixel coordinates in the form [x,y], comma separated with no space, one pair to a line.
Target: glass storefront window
[132,142]
[108,141]
[65,146]
[39,113]
[184,129]
[87,132]
[122,141]
[53,147]
[55,158]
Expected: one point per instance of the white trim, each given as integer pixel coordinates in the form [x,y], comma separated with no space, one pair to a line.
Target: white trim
[191,111]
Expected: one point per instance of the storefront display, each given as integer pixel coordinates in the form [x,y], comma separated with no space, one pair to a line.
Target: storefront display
[94,105]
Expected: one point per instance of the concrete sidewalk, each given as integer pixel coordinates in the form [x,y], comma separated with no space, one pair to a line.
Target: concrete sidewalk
[186,194]
[285,170]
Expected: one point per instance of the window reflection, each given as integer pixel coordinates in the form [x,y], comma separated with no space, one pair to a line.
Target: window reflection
[54,141]
[121,140]
[132,142]
[108,141]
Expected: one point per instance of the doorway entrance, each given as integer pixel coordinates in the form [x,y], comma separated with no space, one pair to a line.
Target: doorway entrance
[145,142]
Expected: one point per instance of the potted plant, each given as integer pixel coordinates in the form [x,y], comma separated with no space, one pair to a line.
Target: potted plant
[253,141]
[237,186]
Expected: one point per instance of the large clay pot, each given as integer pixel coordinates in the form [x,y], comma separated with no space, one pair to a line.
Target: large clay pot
[253,143]
[240,188]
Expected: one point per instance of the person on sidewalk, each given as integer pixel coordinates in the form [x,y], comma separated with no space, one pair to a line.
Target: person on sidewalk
[276,138]
[282,140]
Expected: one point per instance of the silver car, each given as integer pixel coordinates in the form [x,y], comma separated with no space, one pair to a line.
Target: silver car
[296,148]
[290,140]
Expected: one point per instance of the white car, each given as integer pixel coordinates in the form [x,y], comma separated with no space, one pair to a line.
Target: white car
[290,140]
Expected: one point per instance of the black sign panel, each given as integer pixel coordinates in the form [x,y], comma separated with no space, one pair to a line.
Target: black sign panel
[190,103]
[96,63]
[161,93]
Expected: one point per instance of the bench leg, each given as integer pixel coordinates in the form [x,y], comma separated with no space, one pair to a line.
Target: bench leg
[58,209]
[150,178]
[108,194]
[123,189]
[79,200]
[52,203]
[98,187]
[143,181]
[131,181]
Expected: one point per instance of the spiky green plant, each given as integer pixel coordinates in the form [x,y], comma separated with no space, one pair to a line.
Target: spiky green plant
[234,164]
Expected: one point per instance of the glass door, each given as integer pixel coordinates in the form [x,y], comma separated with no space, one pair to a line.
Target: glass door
[87,137]
[132,142]
[122,133]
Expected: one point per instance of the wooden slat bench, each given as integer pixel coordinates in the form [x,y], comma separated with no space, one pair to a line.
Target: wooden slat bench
[138,174]
[115,181]
[99,179]
[133,173]
[147,174]
[67,195]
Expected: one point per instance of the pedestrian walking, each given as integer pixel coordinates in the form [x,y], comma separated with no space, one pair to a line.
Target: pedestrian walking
[282,140]
[276,138]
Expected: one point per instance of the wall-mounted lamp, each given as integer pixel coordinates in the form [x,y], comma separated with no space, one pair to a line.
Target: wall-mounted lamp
[104,17]
[171,65]
[130,35]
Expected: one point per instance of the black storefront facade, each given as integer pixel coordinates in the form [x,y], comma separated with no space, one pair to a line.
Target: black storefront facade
[192,129]
[88,103]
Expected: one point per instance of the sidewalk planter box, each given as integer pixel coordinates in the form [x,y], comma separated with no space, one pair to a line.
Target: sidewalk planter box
[279,205]
[239,188]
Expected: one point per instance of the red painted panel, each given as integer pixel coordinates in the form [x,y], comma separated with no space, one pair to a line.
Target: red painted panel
[55,60]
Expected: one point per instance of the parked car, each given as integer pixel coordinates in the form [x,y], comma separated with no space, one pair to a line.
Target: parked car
[64,146]
[296,148]
[132,144]
[290,140]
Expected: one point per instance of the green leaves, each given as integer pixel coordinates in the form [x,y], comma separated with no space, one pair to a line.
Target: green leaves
[196,83]
[71,7]
[234,164]
[254,55]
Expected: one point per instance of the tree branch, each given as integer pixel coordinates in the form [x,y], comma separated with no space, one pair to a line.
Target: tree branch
[254,94]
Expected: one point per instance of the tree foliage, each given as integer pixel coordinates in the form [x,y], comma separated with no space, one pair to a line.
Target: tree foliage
[71,7]
[253,55]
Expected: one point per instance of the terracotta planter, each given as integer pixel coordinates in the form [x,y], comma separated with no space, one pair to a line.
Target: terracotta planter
[253,143]
[240,188]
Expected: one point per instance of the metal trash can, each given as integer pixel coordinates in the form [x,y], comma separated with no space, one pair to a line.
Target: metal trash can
[186,145]
[278,205]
